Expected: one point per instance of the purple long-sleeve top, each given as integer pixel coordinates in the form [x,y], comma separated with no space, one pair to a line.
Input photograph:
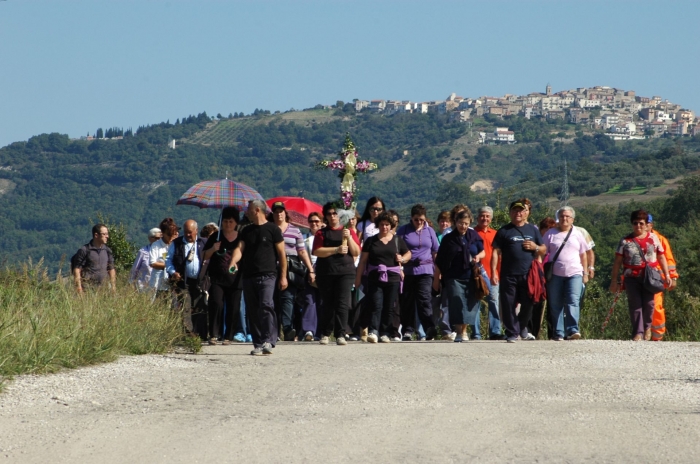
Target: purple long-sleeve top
[422,244]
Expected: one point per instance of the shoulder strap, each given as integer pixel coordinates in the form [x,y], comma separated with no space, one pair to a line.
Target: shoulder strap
[562,245]
[641,252]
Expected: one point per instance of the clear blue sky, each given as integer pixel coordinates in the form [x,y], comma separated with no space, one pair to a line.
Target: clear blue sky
[74,66]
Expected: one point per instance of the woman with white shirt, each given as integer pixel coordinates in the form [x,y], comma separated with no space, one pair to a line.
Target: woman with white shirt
[566,248]
[158,255]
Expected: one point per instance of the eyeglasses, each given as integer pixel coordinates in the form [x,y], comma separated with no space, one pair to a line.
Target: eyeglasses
[638,223]
[332,213]
[376,209]
[314,222]
[565,217]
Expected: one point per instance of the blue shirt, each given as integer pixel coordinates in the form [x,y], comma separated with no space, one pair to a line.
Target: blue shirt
[191,267]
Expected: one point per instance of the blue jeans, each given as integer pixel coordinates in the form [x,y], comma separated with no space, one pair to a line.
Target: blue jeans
[564,298]
[284,306]
[494,319]
[464,308]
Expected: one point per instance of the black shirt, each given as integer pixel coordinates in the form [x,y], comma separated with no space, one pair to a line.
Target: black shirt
[221,260]
[509,239]
[380,253]
[334,264]
[260,254]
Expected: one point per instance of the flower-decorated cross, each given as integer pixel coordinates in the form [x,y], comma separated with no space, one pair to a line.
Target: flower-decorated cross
[348,166]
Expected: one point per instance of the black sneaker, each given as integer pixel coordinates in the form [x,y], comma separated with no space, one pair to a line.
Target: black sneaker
[289,336]
[266,348]
[257,351]
[407,337]
[430,334]
[497,337]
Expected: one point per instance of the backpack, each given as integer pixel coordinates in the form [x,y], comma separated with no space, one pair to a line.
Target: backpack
[74,259]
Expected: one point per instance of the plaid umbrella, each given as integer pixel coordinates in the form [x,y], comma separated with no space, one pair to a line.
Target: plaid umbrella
[219,194]
[298,209]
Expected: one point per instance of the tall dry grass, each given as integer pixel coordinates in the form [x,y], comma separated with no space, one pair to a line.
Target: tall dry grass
[46,326]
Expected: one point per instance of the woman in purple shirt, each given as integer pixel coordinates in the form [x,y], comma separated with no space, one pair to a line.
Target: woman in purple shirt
[422,242]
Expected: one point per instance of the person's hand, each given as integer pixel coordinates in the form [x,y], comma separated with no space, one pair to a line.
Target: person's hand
[585,278]
[283,283]
[79,290]
[399,259]
[669,281]
[436,286]
[346,233]
[312,277]
[614,287]
[495,280]
[343,250]
[673,285]
[216,246]
[176,276]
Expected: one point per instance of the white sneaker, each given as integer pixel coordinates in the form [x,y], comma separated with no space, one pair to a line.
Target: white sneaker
[384,339]
[324,340]
[529,337]
[396,339]
[341,341]
[372,338]
[574,336]
[309,336]
[450,337]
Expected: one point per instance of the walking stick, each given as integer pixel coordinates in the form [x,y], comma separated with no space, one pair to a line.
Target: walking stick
[607,319]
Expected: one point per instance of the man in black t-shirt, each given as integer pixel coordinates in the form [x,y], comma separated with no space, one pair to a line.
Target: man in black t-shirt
[261,246]
[516,244]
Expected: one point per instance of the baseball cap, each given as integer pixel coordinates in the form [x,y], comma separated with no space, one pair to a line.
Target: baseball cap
[278,204]
[518,204]
[153,232]
[650,218]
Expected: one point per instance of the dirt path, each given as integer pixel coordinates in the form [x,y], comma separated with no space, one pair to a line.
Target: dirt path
[586,401]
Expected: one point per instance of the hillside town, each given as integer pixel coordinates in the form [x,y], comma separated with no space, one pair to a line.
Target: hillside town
[622,114]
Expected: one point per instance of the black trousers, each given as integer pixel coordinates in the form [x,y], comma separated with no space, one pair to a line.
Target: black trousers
[382,296]
[190,303]
[417,298]
[336,296]
[230,296]
[513,290]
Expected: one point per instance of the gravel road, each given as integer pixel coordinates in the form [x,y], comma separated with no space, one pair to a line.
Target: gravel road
[582,401]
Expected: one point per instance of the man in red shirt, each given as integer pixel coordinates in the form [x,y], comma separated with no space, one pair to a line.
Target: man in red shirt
[483,228]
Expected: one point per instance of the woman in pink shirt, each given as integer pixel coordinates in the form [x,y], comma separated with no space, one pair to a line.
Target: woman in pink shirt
[566,249]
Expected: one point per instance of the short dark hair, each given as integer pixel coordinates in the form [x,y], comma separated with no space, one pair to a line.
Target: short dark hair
[231,212]
[314,214]
[168,226]
[444,216]
[327,207]
[456,209]
[547,223]
[385,216]
[208,230]
[418,210]
[97,228]
[461,214]
[638,215]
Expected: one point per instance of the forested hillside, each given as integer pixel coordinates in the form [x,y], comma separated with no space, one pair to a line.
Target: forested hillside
[54,188]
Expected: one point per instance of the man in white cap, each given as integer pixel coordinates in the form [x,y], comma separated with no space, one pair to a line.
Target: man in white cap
[140,274]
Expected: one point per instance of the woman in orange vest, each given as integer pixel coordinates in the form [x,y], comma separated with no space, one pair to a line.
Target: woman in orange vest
[658,317]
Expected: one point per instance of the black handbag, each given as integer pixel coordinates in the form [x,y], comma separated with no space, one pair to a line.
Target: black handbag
[549,265]
[296,272]
[653,282]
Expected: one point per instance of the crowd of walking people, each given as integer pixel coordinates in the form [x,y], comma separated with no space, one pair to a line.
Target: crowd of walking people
[259,279]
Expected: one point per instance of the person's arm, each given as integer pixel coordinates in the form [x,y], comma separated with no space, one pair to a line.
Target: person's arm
[169,268]
[237,254]
[133,274]
[77,277]
[209,252]
[437,275]
[282,258]
[495,256]
[361,268]
[113,279]
[584,264]
[614,284]
[305,258]
[664,267]
[353,247]
[590,259]
[154,258]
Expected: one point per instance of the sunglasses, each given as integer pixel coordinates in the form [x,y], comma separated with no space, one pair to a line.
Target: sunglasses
[332,213]
[376,209]
[638,223]
[314,222]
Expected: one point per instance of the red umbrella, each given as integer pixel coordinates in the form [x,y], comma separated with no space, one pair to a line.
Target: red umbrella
[298,209]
